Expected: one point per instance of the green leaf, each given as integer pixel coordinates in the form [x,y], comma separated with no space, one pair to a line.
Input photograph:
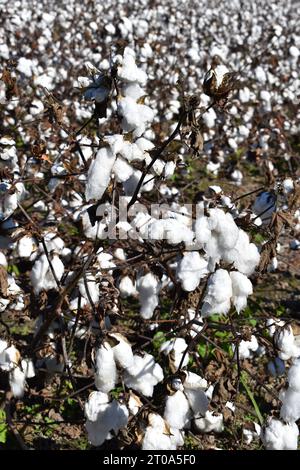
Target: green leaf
[158,339]
[243,379]
[3,427]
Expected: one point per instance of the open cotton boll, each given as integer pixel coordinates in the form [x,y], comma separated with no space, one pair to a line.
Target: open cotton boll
[218,294]
[122,352]
[171,230]
[157,436]
[194,381]
[25,246]
[194,387]
[41,275]
[127,287]
[105,261]
[128,70]
[143,375]
[284,341]
[9,356]
[198,401]
[105,368]
[148,288]
[247,348]
[134,403]
[95,404]
[241,288]
[89,289]
[133,90]
[290,410]
[280,436]
[27,367]
[174,349]
[272,323]
[191,268]
[17,380]
[244,255]
[294,375]
[122,170]
[210,423]
[135,116]
[99,174]
[177,411]
[106,417]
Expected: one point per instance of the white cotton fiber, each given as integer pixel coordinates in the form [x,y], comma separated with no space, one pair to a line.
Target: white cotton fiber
[105,368]
[99,174]
[191,268]
[241,288]
[218,294]
[177,412]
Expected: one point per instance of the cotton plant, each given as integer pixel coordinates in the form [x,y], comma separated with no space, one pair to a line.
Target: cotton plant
[114,159]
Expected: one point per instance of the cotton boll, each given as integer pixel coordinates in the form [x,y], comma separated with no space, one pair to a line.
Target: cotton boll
[122,352]
[99,174]
[106,371]
[171,230]
[41,275]
[105,417]
[17,380]
[122,170]
[290,410]
[143,375]
[95,404]
[26,245]
[246,348]
[135,116]
[177,412]
[294,375]
[128,70]
[89,288]
[210,423]
[194,381]
[27,367]
[9,357]
[244,255]
[148,288]
[191,268]
[241,288]
[157,435]
[280,436]
[194,387]
[285,343]
[175,349]
[237,177]
[127,287]
[209,118]
[134,403]
[218,294]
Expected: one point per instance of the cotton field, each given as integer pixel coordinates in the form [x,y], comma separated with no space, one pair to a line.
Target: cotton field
[149,225]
